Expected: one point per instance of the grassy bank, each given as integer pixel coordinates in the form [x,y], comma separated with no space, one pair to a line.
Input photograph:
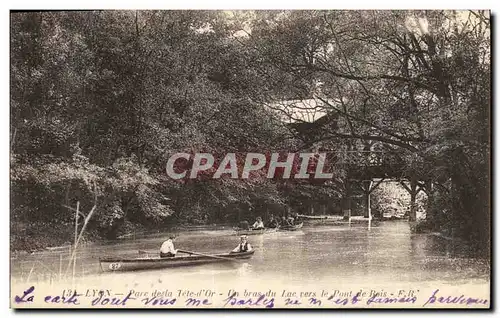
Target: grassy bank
[36,236]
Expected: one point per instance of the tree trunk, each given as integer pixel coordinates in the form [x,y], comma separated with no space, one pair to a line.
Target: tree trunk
[429,213]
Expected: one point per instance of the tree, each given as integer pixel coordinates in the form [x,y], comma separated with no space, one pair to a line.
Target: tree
[400,78]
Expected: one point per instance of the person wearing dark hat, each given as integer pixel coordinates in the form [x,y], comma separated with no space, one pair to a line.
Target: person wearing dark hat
[244,225]
[244,246]
[272,223]
[167,248]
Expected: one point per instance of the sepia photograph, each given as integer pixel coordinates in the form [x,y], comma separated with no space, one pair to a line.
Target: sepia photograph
[250,159]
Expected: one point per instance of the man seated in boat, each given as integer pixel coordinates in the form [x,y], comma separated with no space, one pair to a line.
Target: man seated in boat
[244,246]
[272,223]
[258,225]
[167,248]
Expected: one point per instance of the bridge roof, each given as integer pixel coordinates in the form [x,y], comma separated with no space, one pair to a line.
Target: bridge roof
[299,110]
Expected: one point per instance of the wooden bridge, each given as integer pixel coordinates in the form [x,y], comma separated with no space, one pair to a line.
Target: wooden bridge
[367,164]
[367,169]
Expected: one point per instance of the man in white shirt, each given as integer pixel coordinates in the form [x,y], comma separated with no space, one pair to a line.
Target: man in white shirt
[243,246]
[258,224]
[167,248]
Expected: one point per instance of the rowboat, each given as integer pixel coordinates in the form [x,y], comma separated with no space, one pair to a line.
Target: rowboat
[114,264]
[312,217]
[255,232]
[292,227]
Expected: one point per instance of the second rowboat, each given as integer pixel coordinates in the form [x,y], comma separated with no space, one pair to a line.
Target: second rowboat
[292,227]
[255,232]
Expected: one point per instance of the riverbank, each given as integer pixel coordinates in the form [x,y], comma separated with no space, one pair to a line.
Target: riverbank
[33,237]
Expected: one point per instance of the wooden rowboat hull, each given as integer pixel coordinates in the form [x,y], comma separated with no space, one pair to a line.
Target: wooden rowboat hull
[114,264]
[256,232]
[293,227]
[314,217]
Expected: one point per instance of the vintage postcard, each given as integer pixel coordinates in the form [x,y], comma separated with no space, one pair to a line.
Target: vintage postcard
[250,159]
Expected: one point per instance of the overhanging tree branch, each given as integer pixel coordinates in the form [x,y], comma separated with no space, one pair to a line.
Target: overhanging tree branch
[362,137]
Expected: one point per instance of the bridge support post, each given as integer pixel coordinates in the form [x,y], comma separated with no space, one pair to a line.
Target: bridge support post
[429,213]
[413,190]
[368,186]
[367,189]
[413,199]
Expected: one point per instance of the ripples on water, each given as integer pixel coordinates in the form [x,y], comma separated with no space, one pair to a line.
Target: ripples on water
[385,252]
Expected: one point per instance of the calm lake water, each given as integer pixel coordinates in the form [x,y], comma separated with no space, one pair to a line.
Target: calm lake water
[342,254]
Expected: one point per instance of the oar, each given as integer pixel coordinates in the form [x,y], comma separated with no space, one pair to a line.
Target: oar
[212,256]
